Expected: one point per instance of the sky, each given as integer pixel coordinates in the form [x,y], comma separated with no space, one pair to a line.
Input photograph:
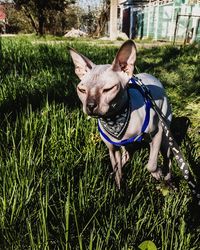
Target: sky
[92,3]
[6,1]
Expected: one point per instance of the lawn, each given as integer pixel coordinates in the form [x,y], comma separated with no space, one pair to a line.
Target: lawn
[56,191]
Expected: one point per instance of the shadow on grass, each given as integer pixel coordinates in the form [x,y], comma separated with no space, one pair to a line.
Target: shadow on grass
[175,68]
[148,59]
[36,100]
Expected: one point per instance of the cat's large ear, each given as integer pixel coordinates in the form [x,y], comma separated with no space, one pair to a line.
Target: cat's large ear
[82,63]
[125,58]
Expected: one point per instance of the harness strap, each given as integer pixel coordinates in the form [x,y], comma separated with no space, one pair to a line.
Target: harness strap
[147,101]
[137,138]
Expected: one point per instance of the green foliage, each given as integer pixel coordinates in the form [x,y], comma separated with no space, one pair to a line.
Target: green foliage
[18,21]
[55,187]
[43,15]
[147,245]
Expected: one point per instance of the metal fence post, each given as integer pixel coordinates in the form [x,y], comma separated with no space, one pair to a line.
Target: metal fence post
[187,27]
[175,30]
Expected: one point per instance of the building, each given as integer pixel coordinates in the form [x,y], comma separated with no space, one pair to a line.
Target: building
[160,19]
[2,18]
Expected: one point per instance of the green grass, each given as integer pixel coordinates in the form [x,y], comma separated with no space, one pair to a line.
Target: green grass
[56,191]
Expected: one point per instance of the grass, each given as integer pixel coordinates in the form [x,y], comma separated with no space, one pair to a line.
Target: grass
[55,187]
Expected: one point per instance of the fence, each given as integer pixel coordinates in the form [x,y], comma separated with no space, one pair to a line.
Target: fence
[169,20]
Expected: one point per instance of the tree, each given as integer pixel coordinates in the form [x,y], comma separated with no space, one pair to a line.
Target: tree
[17,21]
[58,23]
[94,18]
[38,10]
[102,18]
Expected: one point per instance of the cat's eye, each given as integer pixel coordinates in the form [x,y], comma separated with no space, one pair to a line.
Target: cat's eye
[109,89]
[82,90]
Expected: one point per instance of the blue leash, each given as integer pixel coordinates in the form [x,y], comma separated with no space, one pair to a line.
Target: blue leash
[137,138]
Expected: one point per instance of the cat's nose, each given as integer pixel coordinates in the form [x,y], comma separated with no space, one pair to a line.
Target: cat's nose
[91,106]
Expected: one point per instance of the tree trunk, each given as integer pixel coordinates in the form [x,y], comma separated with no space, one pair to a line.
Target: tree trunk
[101,23]
[30,17]
[41,21]
[113,19]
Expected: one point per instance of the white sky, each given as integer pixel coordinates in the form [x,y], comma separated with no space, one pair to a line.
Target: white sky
[92,3]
